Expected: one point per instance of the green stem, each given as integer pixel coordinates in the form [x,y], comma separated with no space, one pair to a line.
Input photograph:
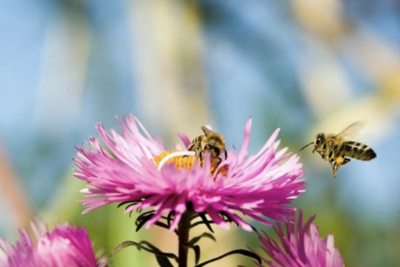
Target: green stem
[183,237]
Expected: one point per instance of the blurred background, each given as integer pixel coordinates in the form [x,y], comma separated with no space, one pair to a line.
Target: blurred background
[304,66]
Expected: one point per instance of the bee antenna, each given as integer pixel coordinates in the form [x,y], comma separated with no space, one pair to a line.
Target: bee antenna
[306,146]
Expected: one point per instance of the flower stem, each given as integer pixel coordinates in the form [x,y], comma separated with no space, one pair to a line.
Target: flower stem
[183,237]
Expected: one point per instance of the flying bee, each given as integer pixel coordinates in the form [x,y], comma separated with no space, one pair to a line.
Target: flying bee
[212,142]
[337,150]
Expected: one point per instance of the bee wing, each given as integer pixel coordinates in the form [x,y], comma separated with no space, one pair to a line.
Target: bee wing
[206,130]
[351,130]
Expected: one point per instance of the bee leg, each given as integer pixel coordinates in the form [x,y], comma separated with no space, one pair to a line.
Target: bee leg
[214,166]
[226,154]
[215,162]
[345,161]
[219,161]
[336,165]
[332,162]
[335,168]
[199,157]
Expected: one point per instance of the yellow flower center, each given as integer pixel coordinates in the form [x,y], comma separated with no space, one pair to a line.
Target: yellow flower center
[179,159]
[186,159]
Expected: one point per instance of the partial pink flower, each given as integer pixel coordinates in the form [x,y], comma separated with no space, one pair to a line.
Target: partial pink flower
[300,246]
[259,186]
[62,247]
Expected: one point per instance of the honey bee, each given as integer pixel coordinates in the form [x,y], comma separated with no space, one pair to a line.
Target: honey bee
[212,142]
[335,149]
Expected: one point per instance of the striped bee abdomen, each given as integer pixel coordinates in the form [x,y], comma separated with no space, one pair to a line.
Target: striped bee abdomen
[357,150]
[195,145]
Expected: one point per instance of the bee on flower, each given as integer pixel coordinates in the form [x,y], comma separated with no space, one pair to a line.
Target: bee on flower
[135,170]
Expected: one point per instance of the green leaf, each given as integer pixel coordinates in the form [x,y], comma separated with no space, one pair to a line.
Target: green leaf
[142,220]
[196,250]
[196,239]
[162,257]
[171,216]
[243,252]
[163,261]
[206,222]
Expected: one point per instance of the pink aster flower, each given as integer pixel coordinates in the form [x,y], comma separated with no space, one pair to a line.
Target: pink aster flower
[64,246]
[301,246]
[134,168]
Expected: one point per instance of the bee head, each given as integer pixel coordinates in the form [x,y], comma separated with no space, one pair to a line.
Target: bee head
[319,142]
[214,143]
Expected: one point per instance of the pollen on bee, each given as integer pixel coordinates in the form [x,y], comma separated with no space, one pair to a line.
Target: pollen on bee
[339,160]
[223,170]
